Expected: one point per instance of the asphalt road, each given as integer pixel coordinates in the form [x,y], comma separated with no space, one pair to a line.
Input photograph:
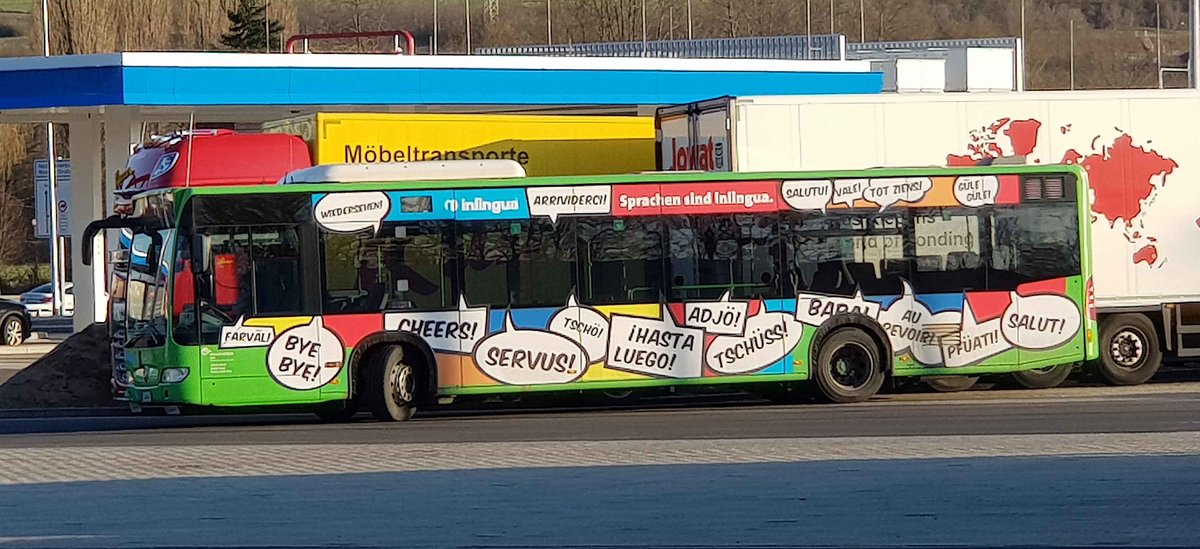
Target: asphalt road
[1157,408]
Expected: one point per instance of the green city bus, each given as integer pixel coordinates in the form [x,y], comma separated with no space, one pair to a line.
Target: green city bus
[346,295]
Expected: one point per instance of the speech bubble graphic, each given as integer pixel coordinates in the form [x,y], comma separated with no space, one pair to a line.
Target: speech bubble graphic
[583,325]
[722,317]
[912,327]
[975,341]
[888,191]
[769,337]
[812,194]
[815,309]
[305,357]
[240,336]
[352,212]
[1041,321]
[515,356]
[445,331]
[974,191]
[846,191]
[555,201]
[655,346]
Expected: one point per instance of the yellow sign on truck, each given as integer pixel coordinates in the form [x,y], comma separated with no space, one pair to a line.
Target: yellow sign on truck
[542,144]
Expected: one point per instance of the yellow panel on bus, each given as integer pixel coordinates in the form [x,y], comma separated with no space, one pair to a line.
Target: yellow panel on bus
[543,144]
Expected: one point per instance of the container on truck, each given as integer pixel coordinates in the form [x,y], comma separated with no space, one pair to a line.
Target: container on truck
[1138,147]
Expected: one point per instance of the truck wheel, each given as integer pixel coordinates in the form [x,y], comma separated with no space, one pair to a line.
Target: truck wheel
[849,366]
[951,384]
[1043,378]
[1129,350]
[389,384]
[12,331]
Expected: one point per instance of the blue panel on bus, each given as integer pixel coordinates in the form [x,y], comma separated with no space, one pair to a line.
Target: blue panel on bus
[420,205]
[487,204]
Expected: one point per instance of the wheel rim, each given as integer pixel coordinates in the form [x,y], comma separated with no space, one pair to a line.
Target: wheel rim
[12,332]
[1128,348]
[851,366]
[402,384]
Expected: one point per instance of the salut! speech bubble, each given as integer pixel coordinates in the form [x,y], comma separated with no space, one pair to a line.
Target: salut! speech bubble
[846,191]
[515,356]
[976,190]
[812,194]
[815,309]
[583,325]
[240,336]
[445,331]
[769,337]
[890,190]
[352,212]
[1041,321]
[912,327]
[722,317]
[555,201]
[655,346]
[305,357]
[975,341]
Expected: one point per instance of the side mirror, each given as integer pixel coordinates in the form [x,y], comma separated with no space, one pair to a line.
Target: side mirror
[201,254]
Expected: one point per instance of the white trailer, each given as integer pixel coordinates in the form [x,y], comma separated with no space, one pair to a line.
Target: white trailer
[1141,149]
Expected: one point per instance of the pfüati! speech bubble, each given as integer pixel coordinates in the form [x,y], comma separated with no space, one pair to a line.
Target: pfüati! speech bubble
[305,357]
[769,337]
[445,331]
[722,317]
[976,341]
[352,212]
[240,336]
[583,325]
[530,357]
[1040,321]
[812,194]
[655,346]
[976,190]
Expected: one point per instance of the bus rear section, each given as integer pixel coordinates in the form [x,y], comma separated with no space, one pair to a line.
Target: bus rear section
[389,296]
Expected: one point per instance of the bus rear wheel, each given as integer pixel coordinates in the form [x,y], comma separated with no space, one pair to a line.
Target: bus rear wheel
[1129,351]
[849,366]
[1043,378]
[389,383]
[951,384]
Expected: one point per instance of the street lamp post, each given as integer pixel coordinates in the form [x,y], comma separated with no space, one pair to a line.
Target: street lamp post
[52,203]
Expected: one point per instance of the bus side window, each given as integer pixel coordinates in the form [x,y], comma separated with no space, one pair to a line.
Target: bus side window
[620,260]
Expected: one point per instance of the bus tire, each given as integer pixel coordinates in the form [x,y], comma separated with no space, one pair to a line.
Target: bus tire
[1043,378]
[1129,350]
[389,384]
[951,384]
[849,366]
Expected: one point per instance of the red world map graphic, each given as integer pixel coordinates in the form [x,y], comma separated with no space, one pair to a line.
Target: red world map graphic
[1122,175]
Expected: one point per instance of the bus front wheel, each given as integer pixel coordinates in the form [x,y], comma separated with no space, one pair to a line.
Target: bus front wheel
[389,384]
[1043,378]
[849,366]
[1129,351]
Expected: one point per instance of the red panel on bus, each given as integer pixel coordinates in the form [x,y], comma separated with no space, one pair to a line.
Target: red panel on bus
[696,198]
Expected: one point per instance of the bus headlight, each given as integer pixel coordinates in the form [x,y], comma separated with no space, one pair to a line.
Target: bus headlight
[174,375]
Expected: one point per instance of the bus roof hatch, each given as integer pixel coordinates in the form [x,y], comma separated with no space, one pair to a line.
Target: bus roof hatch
[436,170]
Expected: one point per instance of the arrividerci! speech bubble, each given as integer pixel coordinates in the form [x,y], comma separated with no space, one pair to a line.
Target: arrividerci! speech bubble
[888,191]
[1040,321]
[769,337]
[352,212]
[305,357]
[976,341]
[812,194]
[444,331]
[976,190]
[655,346]
[815,309]
[912,327]
[583,325]
[846,191]
[722,317]
[555,201]
[530,357]
[241,336]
